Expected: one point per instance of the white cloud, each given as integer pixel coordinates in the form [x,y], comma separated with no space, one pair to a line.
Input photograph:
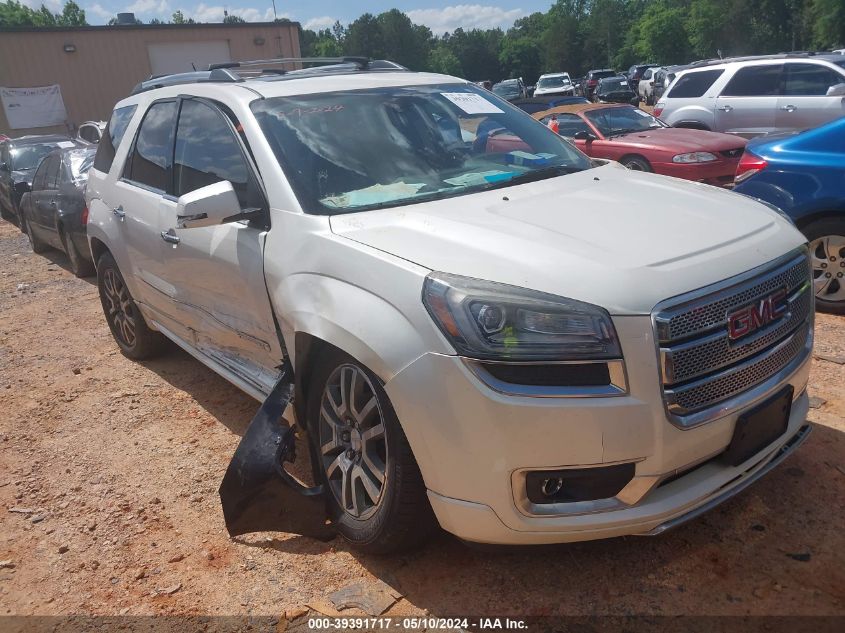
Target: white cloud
[205,13]
[98,10]
[323,22]
[159,7]
[55,6]
[466,16]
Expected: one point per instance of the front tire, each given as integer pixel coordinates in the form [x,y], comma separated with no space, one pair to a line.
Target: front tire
[375,491]
[128,327]
[636,163]
[827,251]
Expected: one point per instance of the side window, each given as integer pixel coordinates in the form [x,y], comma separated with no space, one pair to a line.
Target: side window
[150,161]
[810,79]
[40,177]
[207,151]
[693,85]
[51,178]
[755,81]
[112,136]
[569,124]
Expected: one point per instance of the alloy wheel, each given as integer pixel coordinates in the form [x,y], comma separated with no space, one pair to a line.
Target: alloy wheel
[353,446]
[120,308]
[828,255]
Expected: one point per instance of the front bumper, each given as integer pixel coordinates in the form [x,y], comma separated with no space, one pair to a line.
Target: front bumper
[472,443]
[719,173]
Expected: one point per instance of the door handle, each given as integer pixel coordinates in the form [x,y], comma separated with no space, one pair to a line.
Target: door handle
[725,108]
[170,238]
[789,108]
[119,212]
[52,203]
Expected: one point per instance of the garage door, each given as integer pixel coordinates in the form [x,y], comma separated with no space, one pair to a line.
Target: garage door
[178,57]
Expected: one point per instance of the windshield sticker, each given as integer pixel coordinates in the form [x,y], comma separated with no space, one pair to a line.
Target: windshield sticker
[300,112]
[65,144]
[472,103]
[528,160]
[478,178]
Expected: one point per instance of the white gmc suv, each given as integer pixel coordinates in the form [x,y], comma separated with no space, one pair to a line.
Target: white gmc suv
[477,326]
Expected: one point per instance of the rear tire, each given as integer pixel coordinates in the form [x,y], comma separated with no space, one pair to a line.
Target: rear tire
[128,327]
[358,435]
[80,266]
[827,251]
[636,163]
[37,245]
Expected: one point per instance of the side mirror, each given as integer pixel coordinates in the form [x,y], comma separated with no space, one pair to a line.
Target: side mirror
[21,187]
[4,166]
[583,135]
[836,91]
[207,206]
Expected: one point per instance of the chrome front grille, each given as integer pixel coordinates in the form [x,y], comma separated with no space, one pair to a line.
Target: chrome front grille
[706,374]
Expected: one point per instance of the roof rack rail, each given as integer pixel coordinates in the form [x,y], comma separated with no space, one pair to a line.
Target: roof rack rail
[230,72]
[361,62]
[751,58]
[197,76]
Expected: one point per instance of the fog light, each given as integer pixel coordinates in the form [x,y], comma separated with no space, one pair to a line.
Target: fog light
[550,487]
[577,484]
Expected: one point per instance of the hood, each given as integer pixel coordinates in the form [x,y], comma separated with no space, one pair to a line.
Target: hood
[680,140]
[580,236]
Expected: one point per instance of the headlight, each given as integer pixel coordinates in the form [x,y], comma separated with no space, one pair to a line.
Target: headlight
[694,157]
[493,321]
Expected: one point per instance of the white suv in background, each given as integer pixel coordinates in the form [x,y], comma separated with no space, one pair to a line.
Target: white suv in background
[480,327]
[757,95]
[554,84]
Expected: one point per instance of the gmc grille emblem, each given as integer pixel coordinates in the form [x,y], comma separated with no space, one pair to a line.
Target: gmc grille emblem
[752,317]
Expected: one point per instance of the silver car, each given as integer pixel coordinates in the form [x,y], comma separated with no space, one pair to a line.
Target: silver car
[757,95]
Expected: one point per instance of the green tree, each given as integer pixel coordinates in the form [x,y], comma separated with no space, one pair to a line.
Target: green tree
[71,15]
[364,37]
[828,23]
[233,19]
[442,60]
[403,41]
[179,18]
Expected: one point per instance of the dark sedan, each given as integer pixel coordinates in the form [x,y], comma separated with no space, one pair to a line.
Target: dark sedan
[54,213]
[19,157]
[615,90]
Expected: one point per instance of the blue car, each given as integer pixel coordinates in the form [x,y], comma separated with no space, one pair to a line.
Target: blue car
[804,174]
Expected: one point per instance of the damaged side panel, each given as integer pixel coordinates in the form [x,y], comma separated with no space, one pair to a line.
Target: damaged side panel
[257,493]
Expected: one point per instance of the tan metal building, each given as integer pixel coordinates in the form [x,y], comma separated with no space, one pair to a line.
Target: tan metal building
[96,66]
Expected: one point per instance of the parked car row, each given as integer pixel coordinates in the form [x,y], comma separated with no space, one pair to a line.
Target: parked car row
[42,185]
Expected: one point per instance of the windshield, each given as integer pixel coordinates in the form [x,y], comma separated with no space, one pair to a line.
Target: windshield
[28,156]
[553,82]
[600,74]
[615,121]
[506,89]
[366,149]
[80,161]
[615,83]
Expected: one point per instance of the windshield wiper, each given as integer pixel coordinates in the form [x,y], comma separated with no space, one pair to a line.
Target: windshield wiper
[624,131]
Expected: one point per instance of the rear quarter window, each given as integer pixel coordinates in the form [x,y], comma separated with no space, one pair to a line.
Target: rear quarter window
[694,84]
[112,136]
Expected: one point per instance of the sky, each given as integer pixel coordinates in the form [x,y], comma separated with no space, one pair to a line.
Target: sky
[316,14]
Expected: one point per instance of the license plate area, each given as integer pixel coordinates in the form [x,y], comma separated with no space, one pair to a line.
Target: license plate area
[759,427]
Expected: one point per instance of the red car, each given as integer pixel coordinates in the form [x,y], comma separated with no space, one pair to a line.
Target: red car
[640,141]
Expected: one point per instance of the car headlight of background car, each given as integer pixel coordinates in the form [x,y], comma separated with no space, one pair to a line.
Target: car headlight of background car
[694,157]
